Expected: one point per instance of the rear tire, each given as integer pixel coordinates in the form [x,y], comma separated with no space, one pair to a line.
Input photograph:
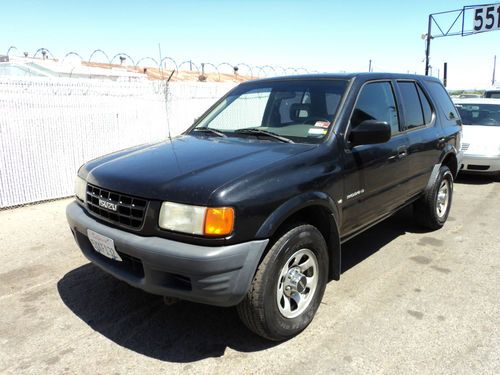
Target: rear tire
[431,211]
[288,285]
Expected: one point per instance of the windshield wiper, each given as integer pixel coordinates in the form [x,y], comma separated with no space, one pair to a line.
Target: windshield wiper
[209,130]
[264,132]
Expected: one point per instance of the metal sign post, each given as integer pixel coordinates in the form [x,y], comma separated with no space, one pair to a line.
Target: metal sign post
[485,17]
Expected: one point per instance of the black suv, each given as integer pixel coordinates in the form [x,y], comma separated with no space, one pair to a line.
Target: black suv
[250,206]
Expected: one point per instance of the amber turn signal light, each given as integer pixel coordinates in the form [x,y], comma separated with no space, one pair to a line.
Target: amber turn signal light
[219,221]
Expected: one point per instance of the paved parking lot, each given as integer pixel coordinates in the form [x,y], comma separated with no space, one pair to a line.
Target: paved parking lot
[408,302]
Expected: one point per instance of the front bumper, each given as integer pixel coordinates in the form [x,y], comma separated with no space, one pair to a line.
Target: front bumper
[480,164]
[213,275]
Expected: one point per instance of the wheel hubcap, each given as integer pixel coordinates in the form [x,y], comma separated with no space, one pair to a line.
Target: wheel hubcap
[443,198]
[297,283]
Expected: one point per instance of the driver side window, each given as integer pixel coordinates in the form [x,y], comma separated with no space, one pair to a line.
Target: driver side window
[376,102]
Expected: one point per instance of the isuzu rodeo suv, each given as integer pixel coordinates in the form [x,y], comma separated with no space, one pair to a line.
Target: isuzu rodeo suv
[250,206]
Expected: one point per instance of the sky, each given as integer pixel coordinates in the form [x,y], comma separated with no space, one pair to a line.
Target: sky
[330,36]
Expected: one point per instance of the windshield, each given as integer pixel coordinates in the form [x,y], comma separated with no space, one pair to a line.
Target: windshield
[295,110]
[479,114]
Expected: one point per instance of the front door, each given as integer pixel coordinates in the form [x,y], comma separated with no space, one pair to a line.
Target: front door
[375,175]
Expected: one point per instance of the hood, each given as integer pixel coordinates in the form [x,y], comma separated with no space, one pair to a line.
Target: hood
[479,137]
[186,169]
[481,133]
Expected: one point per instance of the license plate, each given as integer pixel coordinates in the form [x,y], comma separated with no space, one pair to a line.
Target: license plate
[103,245]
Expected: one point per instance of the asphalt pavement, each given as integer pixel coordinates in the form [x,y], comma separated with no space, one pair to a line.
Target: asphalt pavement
[409,301]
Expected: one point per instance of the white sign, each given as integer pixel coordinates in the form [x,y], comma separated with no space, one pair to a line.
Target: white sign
[486,18]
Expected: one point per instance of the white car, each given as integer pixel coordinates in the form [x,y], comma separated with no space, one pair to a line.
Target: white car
[481,135]
[493,94]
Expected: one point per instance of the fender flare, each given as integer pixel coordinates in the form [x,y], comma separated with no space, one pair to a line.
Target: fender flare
[449,150]
[297,203]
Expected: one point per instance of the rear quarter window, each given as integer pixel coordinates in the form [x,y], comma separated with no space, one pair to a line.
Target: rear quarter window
[442,100]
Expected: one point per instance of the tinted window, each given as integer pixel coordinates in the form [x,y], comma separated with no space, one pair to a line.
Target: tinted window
[411,103]
[426,106]
[376,102]
[441,97]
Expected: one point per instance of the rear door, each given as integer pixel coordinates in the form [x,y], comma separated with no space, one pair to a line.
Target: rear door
[375,175]
[448,119]
[419,123]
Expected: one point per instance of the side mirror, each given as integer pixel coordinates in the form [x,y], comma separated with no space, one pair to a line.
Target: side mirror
[370,132]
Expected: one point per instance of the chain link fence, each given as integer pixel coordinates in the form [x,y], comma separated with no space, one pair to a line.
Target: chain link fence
[50,126]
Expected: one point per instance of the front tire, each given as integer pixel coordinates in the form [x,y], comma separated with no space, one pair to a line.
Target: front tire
[288,285]
[431,211]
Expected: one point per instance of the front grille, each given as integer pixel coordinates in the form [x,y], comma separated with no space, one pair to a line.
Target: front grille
[130,211]
[465,146]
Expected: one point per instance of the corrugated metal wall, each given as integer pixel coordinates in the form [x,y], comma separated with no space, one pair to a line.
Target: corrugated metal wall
[49,127]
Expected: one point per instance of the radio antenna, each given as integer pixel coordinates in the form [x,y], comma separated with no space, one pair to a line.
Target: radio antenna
[165,91]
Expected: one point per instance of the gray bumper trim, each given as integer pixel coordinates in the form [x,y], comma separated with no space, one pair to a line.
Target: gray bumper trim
[212,275]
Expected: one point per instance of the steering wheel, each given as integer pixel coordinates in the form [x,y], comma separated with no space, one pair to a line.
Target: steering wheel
[312,120]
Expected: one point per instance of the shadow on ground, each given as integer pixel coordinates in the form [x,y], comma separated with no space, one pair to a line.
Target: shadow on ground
[184,332]
[475,179]
[374,239]
[187,332]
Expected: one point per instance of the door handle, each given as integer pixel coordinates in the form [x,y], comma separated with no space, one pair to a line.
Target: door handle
[402,152]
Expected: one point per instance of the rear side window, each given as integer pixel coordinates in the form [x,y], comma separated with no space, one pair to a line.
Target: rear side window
[376,102]
[441,97]
[411,103]
[418,111]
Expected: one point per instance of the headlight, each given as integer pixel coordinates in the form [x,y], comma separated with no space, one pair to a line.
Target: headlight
[207,221]
[80,188]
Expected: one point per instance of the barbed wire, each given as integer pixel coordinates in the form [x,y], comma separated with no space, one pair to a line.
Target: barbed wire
[102,52]
[124,59]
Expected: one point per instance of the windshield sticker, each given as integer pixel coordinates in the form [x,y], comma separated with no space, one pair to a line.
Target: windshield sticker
[317,131]
[323,124]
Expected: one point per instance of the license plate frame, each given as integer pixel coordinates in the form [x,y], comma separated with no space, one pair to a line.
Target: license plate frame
[103,245]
